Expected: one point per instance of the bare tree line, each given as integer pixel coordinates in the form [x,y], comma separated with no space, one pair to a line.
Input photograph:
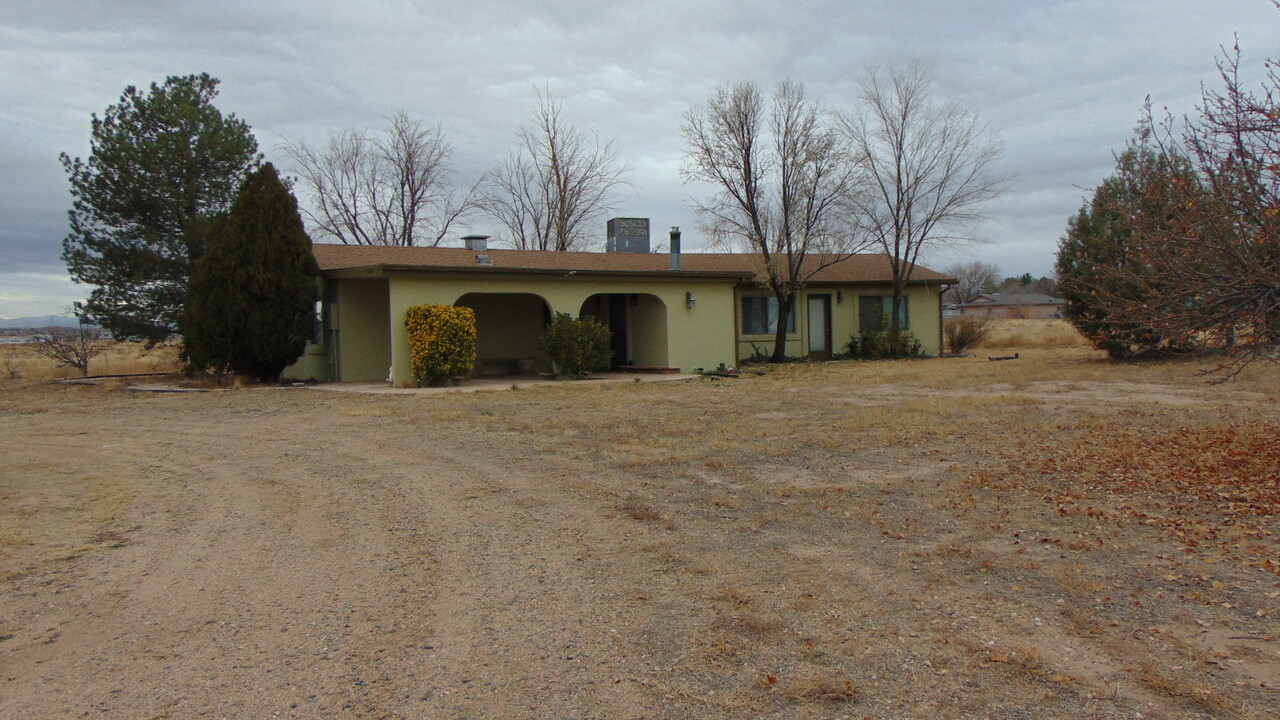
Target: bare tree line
[389,188]
[795,180]
[554,183]
[928,167]
[781,175]
[805,187]
[398,187]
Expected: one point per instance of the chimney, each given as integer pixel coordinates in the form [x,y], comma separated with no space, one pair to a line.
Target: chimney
[675,248]
[476,243]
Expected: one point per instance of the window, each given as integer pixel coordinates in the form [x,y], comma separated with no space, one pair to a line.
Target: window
[317,324]
[873,312]
[760,316]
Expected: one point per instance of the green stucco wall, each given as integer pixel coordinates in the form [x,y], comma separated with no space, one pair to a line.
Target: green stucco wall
[648,331]
[702,336]
[923,309]
[363,337]
[923,313]
[662,330]
[313,365]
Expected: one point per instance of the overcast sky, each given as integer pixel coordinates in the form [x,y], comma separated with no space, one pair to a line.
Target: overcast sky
[1061,83]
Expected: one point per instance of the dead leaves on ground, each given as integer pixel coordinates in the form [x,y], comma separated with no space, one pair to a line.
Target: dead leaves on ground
[1208,485]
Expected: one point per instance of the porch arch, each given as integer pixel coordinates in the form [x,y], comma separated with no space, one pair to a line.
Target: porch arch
[509,328]
[638,323]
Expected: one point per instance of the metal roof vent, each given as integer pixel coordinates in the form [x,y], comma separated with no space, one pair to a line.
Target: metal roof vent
[476,243]
[483,259]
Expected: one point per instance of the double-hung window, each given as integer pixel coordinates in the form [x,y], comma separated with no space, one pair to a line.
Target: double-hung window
[760,316]
[874,312]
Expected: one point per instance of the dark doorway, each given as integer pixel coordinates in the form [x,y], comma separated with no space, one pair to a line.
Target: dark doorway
[618,328]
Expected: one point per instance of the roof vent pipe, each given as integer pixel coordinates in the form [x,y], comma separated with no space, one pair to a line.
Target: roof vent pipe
[675,248]
[476,243]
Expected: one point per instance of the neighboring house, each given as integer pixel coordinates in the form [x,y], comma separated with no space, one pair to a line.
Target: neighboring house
[710,310]
[1014,305]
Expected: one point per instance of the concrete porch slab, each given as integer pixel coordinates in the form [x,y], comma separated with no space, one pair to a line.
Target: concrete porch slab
[492,383]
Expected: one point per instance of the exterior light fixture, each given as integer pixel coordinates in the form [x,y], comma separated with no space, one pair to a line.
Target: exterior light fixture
[690,300]
[839,296]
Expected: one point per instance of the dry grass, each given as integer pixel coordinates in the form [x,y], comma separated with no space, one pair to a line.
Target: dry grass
[118,358]
[945,538]
[1032,334]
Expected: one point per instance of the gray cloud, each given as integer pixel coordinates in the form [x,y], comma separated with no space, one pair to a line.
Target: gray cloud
[1062,83]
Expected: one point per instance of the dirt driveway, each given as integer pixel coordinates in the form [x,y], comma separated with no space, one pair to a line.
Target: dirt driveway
[850,540]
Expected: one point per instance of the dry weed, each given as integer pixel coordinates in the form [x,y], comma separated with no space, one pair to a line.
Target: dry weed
[736,595]
[821,687]
[636,510]
[12,363]
[1075,579]
[1032,334]
[1198,693]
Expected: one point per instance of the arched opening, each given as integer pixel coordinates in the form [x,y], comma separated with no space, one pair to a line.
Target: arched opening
[509,328]
[638,324]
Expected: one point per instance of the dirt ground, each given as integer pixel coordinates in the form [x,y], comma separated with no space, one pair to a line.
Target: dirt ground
[1052,537]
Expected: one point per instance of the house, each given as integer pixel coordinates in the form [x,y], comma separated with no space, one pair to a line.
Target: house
[664,310]
[1014,305]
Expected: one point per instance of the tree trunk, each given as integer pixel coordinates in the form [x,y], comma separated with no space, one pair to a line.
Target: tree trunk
[785,302]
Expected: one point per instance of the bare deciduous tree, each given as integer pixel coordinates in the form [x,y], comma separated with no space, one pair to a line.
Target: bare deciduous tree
[70,347]
[973,278]
[781,171]
[927,167]
[393,188]
[554,183]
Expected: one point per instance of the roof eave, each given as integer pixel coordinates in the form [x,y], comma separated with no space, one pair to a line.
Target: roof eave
[383,269]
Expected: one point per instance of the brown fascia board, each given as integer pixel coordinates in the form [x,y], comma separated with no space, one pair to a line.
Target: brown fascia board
[742,277]
[383,270]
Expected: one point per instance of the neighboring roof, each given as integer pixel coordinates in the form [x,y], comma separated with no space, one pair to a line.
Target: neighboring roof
[1013,299]
[855,269]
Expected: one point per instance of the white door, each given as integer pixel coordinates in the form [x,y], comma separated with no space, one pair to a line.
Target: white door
[819,326]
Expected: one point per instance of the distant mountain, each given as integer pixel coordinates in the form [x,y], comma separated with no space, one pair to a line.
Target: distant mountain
[37,322]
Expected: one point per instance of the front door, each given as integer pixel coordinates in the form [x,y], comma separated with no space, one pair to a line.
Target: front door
[820,327]
[618,329]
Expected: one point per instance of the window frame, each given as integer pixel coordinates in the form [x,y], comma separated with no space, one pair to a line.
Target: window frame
[770,318]
[886,308]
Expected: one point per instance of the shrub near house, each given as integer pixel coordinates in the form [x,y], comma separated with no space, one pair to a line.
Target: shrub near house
[442,339]
[576,346]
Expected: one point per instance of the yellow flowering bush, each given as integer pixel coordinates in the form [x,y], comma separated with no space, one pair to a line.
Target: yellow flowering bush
[442,342]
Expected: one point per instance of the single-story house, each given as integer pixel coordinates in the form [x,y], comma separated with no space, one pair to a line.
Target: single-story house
[1036,306]
[664,310]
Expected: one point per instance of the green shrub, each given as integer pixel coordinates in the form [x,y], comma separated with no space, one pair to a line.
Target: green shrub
[442,342]
[885,344]
[576,346]
[965,331]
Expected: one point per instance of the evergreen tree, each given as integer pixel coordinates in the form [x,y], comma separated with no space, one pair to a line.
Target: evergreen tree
[251,300]
[158,164]
[1095,262]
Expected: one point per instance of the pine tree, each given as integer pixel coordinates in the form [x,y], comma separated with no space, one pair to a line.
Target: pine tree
[251,300]
[159,164]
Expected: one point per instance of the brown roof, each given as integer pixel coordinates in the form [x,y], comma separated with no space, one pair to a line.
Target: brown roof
[854,269]
[987,299]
